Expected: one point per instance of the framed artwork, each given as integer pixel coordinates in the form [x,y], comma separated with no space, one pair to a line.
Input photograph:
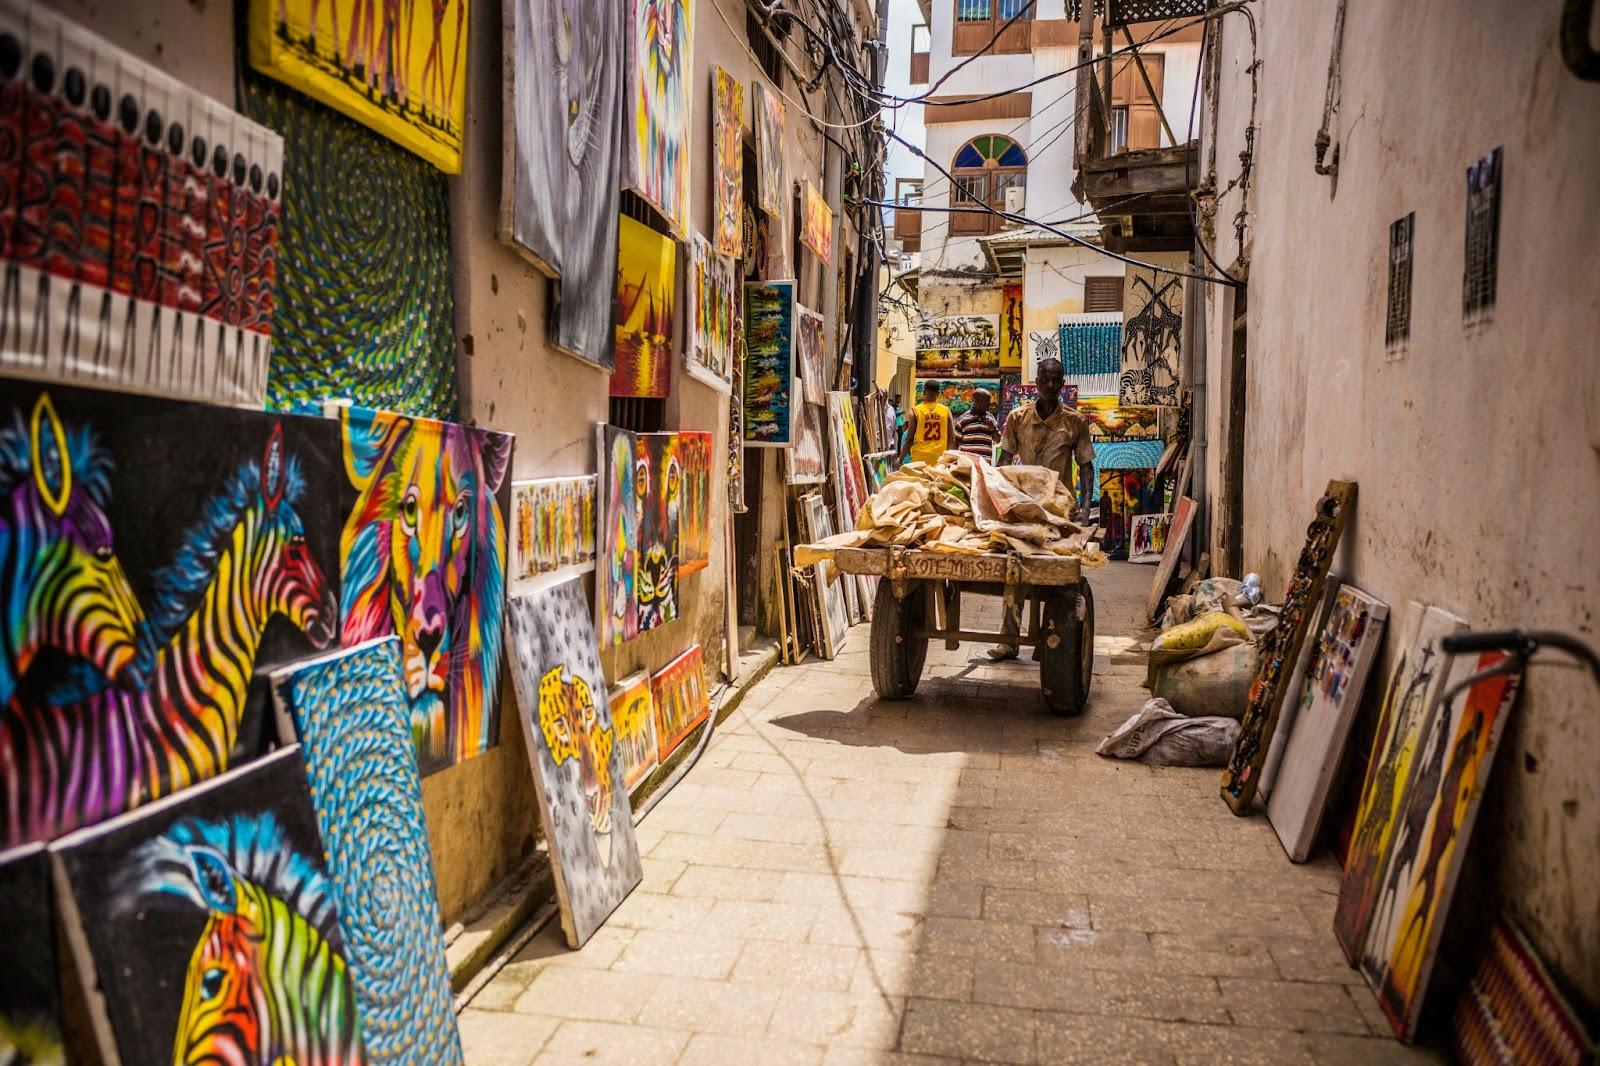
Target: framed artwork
[647,264]
[1011,332]
[734,455]
[727,163]
[356,207]
[1437,816]
[1513,1012]
[617,609]
[423,557]
[833,611]
[552,529]
[1123,494]
[1108,421]
[811,355]
[1148,537]
[1171,552]
[1013,393]
[1089,346]
[149,553]
[879,465]
[956,394]
[634,712]
[217,895]
[958,346]
[572,747]
[769,364]
[137,257]
[807,460]
[681,699]
[694,511]
[349,712]
[561,158]
[816,222]
[660,59]
[1415,685]
[1330,696]
[658,488]
[850,482]
[713,305]
[772,183]
[1152,335]
[30,992]
[403,74]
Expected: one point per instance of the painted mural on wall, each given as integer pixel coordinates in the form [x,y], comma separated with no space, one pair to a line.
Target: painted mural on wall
[349,712]
[30,997]
[660,101]
[769,367]
[149,580]
[681,699]
[658,487]
[646,295]
[1152,333]
[617,609]
[561,160]
[578,773]
[694,515]
[633,711]
[727,163]
[400,70]
[552,529]
[139,245]
[816,221]
[365,303]
[772,181]
[210,907]
[710,309]
[424,559]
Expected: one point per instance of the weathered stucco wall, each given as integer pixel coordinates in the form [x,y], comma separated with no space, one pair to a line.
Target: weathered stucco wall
[1476,451]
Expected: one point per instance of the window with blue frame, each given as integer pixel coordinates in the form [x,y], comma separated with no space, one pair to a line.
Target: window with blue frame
[984,168]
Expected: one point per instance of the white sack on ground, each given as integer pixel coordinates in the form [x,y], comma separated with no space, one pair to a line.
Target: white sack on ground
[1159,735]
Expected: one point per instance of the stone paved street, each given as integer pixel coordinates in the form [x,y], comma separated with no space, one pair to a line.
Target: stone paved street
[957,877]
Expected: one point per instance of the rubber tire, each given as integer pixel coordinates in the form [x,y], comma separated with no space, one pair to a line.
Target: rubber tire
[1065,670]
[896,656]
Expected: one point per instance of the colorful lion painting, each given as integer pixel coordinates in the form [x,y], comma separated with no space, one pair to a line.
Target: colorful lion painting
[424,555]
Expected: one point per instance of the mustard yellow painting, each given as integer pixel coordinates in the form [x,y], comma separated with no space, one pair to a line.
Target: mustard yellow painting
[396,66]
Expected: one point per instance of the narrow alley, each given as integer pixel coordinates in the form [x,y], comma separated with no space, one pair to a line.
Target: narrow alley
[957,876]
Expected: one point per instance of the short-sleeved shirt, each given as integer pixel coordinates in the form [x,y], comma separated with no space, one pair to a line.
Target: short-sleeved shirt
[977,434]
[933,432]
[1053,442]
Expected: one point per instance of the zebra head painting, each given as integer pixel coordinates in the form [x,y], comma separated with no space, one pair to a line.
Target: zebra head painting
[66,589]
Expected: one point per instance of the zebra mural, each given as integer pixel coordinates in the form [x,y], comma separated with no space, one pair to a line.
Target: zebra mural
[87,749]
[65,588]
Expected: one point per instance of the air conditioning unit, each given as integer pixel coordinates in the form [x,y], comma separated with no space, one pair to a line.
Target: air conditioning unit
[1016,199]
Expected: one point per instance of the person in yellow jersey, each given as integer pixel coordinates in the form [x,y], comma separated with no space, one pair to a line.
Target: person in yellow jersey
[928,433]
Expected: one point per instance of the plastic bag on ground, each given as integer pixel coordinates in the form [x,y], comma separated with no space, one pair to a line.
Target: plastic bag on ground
[1161,736]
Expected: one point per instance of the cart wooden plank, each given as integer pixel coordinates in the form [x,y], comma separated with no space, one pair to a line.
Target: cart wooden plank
[990,568]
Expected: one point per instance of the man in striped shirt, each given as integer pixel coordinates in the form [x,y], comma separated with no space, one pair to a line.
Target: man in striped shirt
[976,431]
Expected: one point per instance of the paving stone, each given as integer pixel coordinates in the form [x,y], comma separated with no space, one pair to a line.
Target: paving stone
[1089,1040]
[780,964]
[1298,1005]
[490,1038]
[969,1031]
[650,910]
[740,918]
[679,955]
[901,974]
[1312,959]
[1035,908]
[859,927]
[609,1044]
[711,1006]
[592,995]
[702,883]
[705,1048]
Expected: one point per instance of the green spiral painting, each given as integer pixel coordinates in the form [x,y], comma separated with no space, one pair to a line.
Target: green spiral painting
[364,304]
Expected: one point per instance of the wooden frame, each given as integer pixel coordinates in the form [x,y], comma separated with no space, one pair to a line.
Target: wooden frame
[970,34]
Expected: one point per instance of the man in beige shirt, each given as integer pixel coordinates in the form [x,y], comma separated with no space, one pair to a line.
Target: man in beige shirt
[1046,433]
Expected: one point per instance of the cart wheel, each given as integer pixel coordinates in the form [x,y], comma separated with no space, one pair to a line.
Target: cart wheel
[1066,658]
[897,656]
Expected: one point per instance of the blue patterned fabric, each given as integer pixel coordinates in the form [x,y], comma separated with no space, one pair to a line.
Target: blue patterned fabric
[352,717]
[1091,348]
[1128,454]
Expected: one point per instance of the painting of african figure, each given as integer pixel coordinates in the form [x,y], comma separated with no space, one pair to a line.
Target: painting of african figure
[646,303]
[30,996]
[617,606]
[552,530]
[656,148]
[209,921]
[399,69]
[681,699]
[423,554]
[578,772]
[349,712]
[658,488]
[151,580]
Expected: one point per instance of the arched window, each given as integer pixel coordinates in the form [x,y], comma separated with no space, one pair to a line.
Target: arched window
[984,169]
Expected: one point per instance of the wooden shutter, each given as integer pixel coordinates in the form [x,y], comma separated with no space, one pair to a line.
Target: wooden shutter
[1128,90]
[1102,294]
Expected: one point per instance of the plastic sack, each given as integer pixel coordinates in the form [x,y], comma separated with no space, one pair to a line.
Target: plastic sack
[1161,736]
[1216,685]
[1212,594]
[1210,632]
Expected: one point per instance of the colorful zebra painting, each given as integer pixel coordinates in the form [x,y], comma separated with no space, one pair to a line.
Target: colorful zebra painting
[211,924]
[65,588]
[89,734]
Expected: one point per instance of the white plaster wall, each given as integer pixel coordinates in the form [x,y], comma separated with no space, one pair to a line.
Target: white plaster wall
[940,250]
[1479,478]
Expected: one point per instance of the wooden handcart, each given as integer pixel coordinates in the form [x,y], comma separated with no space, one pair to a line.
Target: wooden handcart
[919,599]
